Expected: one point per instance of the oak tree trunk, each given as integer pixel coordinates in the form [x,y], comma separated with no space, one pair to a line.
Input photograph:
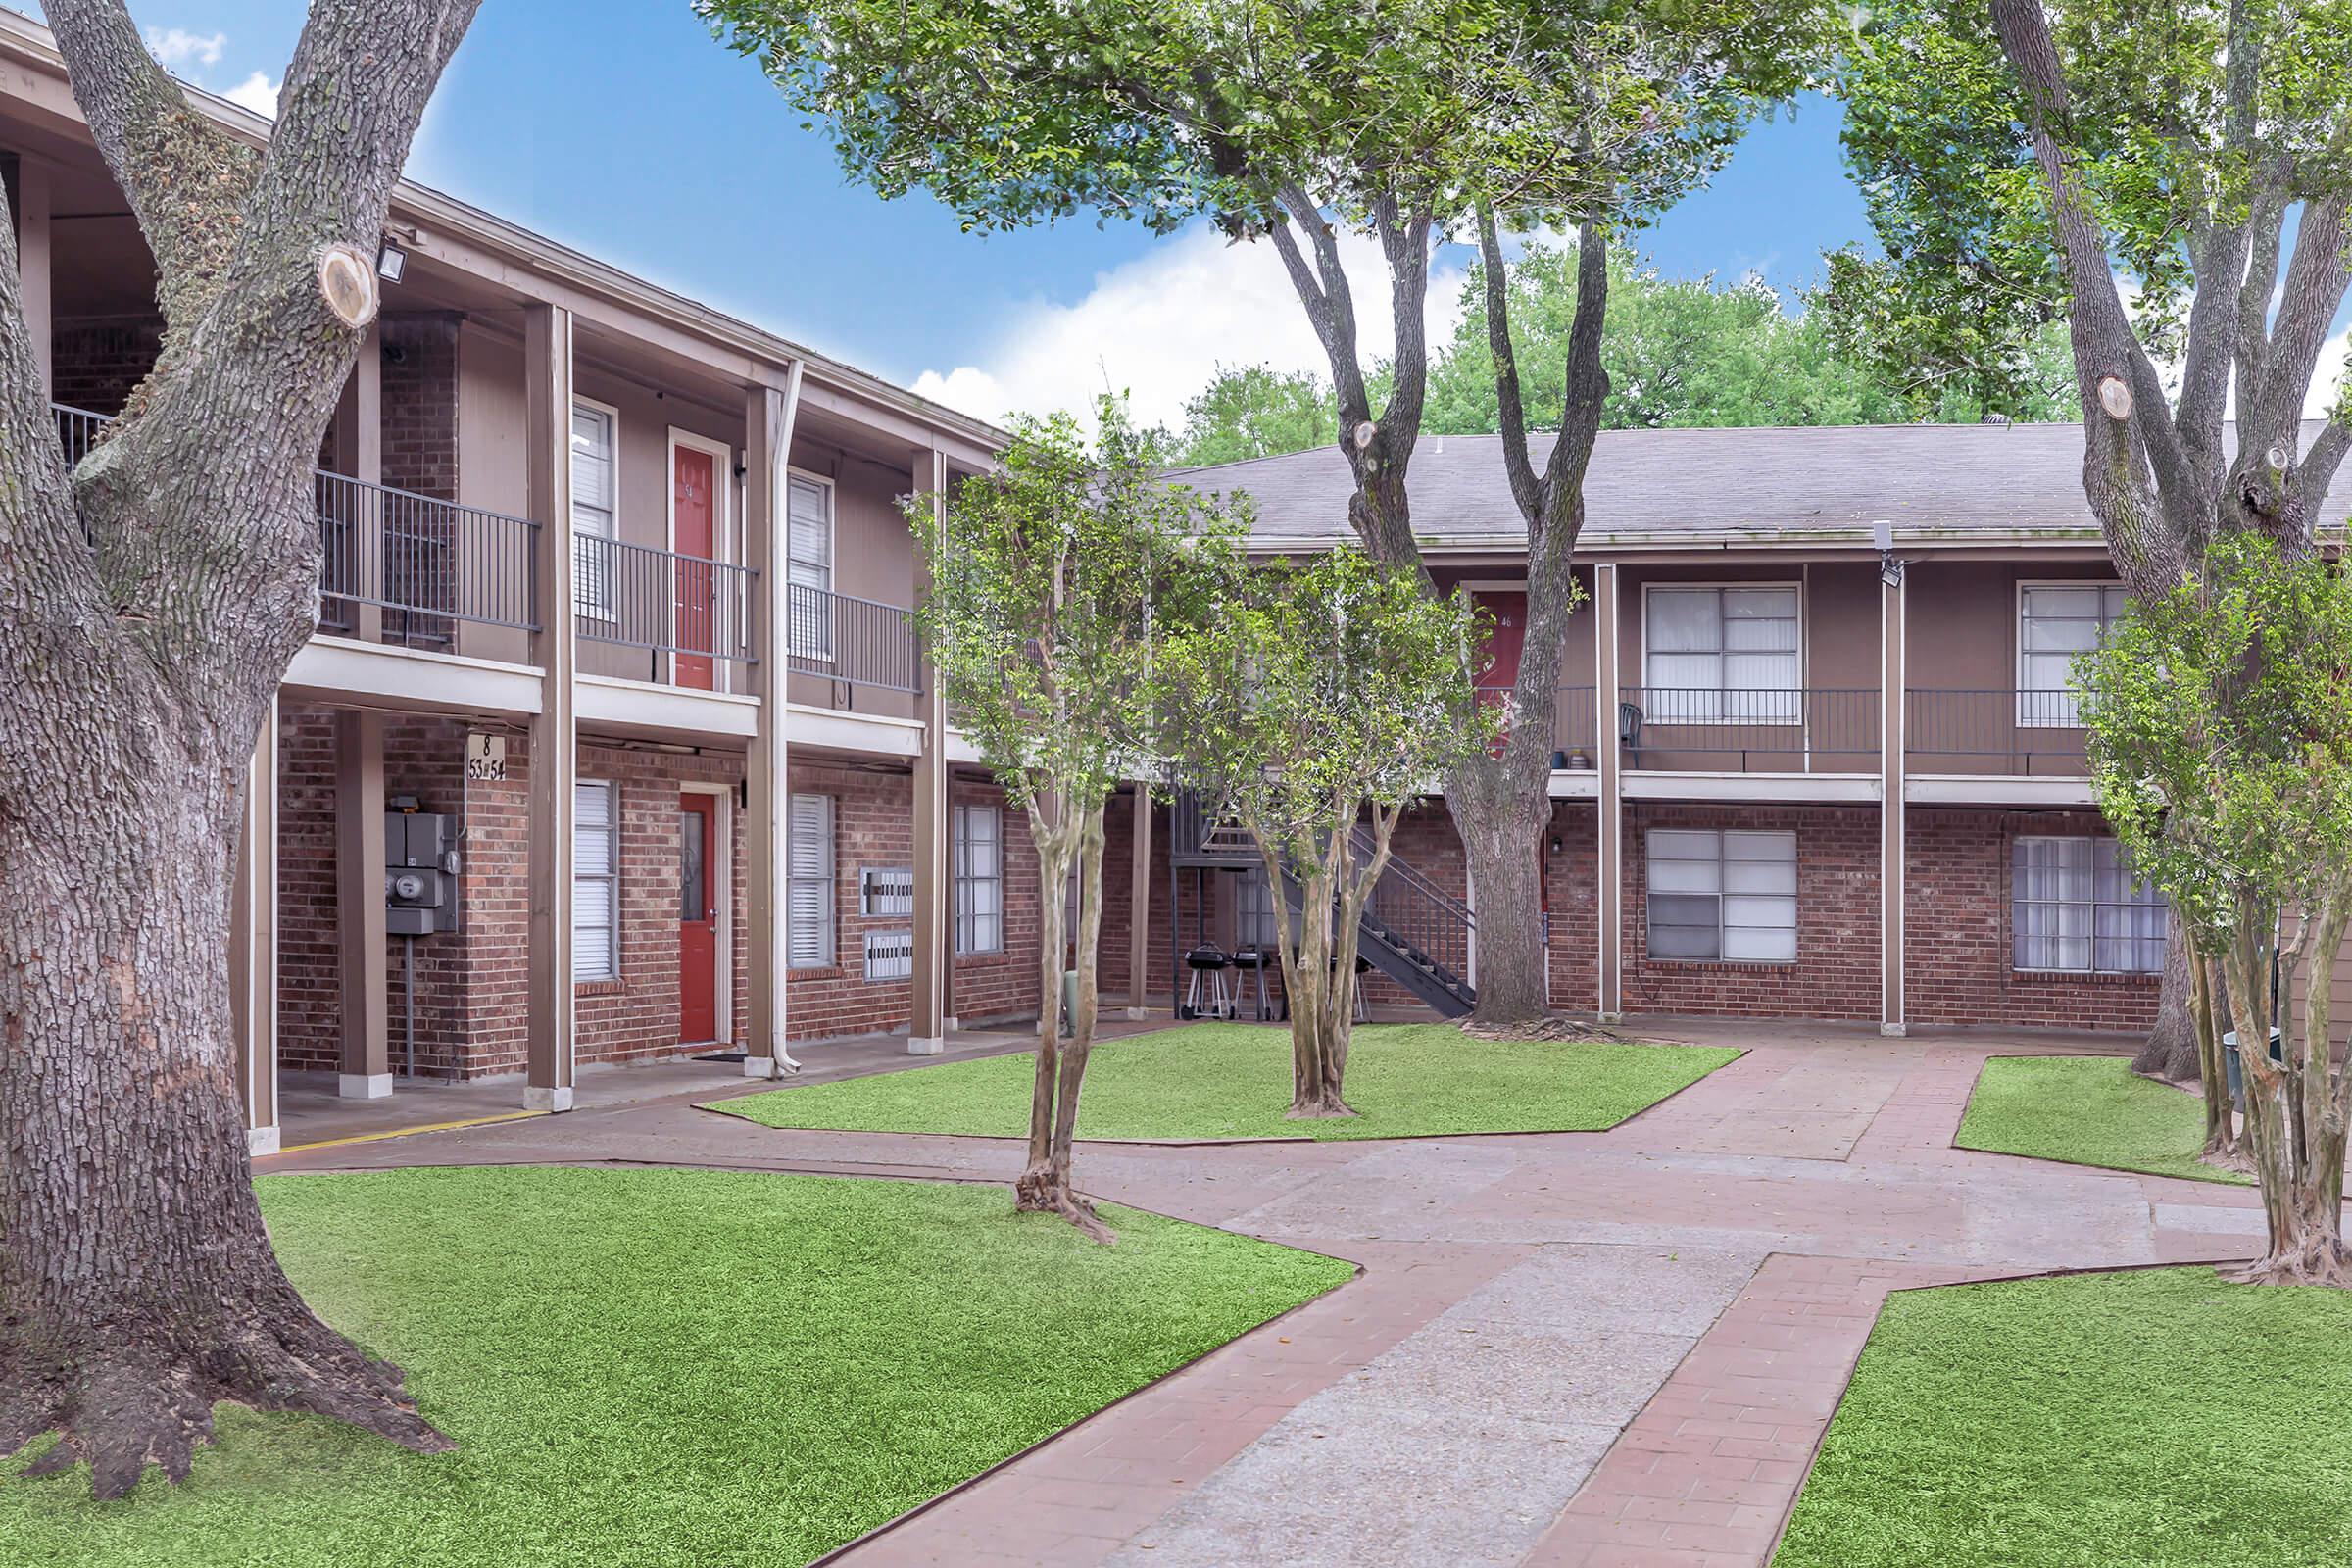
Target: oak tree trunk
[150,603]
[2294,1125]
[2170,1051]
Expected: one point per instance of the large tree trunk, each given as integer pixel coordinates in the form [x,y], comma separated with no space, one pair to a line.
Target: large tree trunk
[2294,1115]
[2170,1051]
[149,605]
[1502,819]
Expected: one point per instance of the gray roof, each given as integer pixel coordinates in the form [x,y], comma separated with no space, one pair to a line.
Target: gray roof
[1931,482]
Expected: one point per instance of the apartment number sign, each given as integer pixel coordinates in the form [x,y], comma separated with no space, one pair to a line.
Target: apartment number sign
[486,759]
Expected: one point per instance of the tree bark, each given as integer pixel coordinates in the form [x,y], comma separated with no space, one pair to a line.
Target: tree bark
[1063,831]
[150,602]
[2171,1051]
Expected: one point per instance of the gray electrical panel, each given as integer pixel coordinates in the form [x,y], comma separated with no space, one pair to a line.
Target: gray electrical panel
[420,873]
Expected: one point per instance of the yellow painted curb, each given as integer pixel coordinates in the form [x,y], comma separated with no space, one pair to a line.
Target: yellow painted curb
[405,1132]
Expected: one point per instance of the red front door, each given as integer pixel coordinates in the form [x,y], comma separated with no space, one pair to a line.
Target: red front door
[695,481]
[1507,639]
[697,918]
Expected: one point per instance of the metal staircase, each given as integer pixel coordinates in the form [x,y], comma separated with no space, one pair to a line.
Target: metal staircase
[1413,931]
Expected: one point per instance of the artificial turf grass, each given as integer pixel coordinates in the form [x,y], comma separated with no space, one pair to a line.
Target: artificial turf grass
[1211,1081]
[670,1367]
[2089,1110]
[2152,1419]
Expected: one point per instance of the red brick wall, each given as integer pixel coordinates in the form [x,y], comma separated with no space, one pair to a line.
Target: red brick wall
[421,404]
[1958,952]
[1836,970]
[95,363]
[1571,885]
[873,826]
[309,981]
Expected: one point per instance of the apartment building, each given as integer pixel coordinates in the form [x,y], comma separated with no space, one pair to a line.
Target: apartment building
[1816,755]
[614,743]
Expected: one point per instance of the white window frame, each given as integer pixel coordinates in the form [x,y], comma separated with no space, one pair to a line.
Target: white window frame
[967,918]
[2092,908]
[1796,715]
[2045,713]
[798,875]
[610,879]
[817,618]
[1723,894]
[604,607]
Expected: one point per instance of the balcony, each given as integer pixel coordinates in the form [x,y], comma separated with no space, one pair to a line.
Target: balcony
[2012,734]
[685,620]
[396,566]
[1791,730]
[851,643]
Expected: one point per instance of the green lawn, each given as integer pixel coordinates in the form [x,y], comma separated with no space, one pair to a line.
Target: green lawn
[2092,1110]
[1226,1080]
[670,1367]
[2100,1421]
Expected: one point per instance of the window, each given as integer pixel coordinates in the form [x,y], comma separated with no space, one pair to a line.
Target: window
[594,520]
[809,566]
[1254,912]
[595,881]
[1723,895]
[809,898]
[2073,905]
[979,881]
[2054,623]
[1718,655]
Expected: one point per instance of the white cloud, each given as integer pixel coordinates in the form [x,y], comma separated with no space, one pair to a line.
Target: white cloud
[1159,327]
[176,46]
[256,92]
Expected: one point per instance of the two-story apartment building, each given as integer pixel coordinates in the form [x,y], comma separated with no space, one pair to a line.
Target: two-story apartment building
[1816,755]
[615,742]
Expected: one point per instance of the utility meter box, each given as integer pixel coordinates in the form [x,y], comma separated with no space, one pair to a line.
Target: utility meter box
[420,873]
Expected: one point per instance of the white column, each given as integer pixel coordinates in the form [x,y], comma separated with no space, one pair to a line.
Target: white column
[928,1022]
[34,263]
[1894,742]
[253,944]
[769,416]
[1609,864]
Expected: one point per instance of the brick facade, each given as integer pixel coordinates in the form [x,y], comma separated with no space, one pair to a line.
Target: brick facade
[1836,970]
[1958,963]
[998,987]
[95,363]
[873,827]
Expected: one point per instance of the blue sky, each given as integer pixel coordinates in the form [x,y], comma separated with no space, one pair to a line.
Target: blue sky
[621,127]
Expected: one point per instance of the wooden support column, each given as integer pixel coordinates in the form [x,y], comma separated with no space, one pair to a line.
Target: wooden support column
[1138,910]
[767,419]
[1893,743]
[253,944]
[934,947]
[33,264]
[364,1064]
[1611,806]
[368,466]
[554,761]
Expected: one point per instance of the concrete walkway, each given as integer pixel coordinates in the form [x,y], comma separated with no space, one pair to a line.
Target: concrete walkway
[1569,1349]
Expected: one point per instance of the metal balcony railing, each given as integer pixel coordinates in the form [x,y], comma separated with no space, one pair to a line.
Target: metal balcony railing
[1809,729]
[2003,732]
[662,602]
[424,563]
[854,641]
[415,564]
[1572,727]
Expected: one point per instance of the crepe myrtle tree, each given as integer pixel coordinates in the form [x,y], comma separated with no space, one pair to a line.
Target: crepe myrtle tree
[2220,744]
[2171,182]
[1307,122]
[1313,708]
[1053,577]
[150,600]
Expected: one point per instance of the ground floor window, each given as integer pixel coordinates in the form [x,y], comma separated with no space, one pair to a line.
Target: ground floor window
[2074,906]
[808,905]
[595,880]
[1728,894]
[979,879]
[1254,912]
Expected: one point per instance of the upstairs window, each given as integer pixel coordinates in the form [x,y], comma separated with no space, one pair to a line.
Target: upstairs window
[595,518]
[809,565]
[1721,656]
[2056,622]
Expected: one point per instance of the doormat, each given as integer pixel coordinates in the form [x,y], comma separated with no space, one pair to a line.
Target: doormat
[722,1055]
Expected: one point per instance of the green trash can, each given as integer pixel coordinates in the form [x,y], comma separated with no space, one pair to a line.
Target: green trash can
[1070,1002]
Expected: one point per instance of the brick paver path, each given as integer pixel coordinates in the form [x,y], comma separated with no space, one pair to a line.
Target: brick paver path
[1579,1349]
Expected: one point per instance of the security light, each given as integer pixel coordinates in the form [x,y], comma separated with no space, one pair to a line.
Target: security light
[390,261]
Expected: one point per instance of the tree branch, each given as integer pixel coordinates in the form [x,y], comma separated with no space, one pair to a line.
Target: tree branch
[1330,306]
[1405,240]
[1512,412]
[1588,391]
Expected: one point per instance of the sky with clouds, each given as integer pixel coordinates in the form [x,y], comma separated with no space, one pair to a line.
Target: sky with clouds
[621,127]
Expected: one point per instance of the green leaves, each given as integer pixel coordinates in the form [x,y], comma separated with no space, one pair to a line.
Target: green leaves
[2221,734]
